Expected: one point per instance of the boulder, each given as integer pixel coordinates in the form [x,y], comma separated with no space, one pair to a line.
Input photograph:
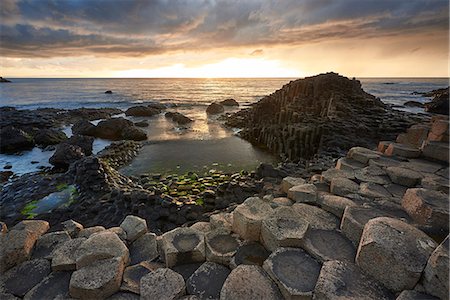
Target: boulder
[403,176]
[119,231]
[108,92]
[348,165]
[178,118]
[316,217]
[202,226]
[437,151]
[325,245]
[220,247]
[64,258]
[134,227]
[142,111]
[362,155]
[283,228]
[249,282]
[99,280]
[48,242]
[304,193]
[72,227]
[84,127]
[439,104]
[22,278]
[54,286]
[343,186]
[435,276]
[14,139]
[207,281]
[335,204]
[289,182]
[250,254]
[229,102]
[45,137]
[214,108]
[394,252]
[414,136]
[118,129]
[184,245]
[281,201]
[427,207]
[102,245]
[143,249]
[87,232]
[294,271]
[133,133]
[84,142]
[247,218]
[344,280]
[132,277]
[65,155]
[162,284]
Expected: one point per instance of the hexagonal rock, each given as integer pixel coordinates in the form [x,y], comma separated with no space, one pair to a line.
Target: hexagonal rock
[249,282]
[354,220]
[183,245]
[284,228]
[304,193]
[335,204]
[402,150]
[162,284]
[250,254]
[437,151]
[220,247]
[132,277]
[87,232]
[405,177]
[316,217]
[119,231]
[329,174]
[289,182]
[18,243]
[221,220]
[247,218]
[362,155]
[435,276]
[327,245]
[99,280]
[99,246]
[134,227]
[348,164]
[344,280]
[434,182]
[394,252]
[294,271]
[415,295]
[64,258]
[207,281]
[427,207]
[72,228]
[54,286]
[372,174]
[202,226]
[22,278]
[343,186]
[48,242]
[144,248]
[281,201]
[373,190]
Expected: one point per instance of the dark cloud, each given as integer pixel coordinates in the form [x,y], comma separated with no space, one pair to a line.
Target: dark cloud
[124,27]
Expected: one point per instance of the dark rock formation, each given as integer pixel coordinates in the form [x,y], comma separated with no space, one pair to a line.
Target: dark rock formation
[229,102]
[119,129]
[215,108]
[142,111]
[178,118]
[414,104]
[108,92]
[324,114]
[14,139]
[83,127]
[4,80]
[439,104]
[45,137]
[66,154]
[84,142]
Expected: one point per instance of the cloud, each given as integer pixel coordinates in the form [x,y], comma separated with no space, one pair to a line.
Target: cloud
[257,52]
[49,28]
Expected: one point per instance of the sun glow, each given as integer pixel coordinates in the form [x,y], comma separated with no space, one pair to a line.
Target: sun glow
[228,68]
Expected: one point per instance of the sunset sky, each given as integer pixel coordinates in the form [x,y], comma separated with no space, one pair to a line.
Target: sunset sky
[118,38]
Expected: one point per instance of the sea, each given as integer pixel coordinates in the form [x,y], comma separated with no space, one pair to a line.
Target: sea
[204,146]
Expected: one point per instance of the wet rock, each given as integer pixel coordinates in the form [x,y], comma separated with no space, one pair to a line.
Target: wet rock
[405,177]
[118,129]
[134,227]
[72,227]
[82,141]
[427,207]
[46,137]
[414,104]
[108,92]
[249,282]
[54,286]
[343,186]
[5,175]
[250,254]
[162,284]
[214,108]
[141,124]
[207,281]
[283,228]
[132,277]
[339,279]
[414,295]
[289,182]
[99,280]
[400,251]
[185,245]
[84,127]
[22,278]
[327,245]
[14,139]
[133,133]
[335,204]
[229,102]
[220,247]
[316,217]
[178,118]
[440,103]
[435,276]
[48,242]
[294,271]
[87,232]
[247,218]
[64,258]
[102,245]
[65,155]
[142,111]
[305,193]
[143,249]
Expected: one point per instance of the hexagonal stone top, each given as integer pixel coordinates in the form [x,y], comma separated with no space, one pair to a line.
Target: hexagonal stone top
[183,245]
[185,242]
[294,271]
[223,243]
[254,208]
[251,254]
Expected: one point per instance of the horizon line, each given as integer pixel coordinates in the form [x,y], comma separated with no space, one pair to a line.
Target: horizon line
[299,77]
